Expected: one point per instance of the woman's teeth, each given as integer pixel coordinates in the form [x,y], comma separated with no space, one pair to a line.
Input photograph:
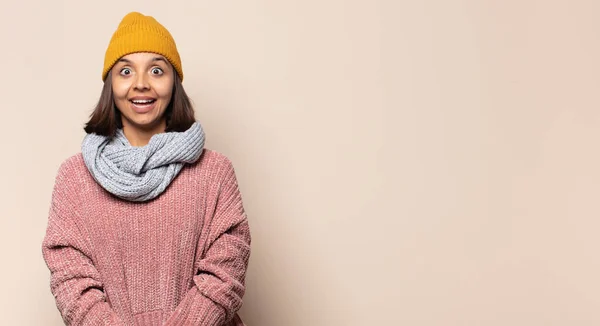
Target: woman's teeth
[142,101]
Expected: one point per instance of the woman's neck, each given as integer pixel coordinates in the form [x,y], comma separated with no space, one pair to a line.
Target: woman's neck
[140,136]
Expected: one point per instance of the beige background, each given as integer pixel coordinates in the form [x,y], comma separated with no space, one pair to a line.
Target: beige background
[402,162]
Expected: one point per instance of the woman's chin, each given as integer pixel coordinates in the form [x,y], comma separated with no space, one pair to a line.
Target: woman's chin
[144,122]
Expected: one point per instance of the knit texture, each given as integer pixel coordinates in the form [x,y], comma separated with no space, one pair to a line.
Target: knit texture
[139,33]
[140,173]
[180,259]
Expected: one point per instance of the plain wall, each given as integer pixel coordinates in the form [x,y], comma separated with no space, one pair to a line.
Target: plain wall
[402,162]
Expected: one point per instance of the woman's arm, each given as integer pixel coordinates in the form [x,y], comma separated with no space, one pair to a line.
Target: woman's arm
[223,259]
[74,281]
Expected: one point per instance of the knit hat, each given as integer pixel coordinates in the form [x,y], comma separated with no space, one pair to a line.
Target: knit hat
[140,33]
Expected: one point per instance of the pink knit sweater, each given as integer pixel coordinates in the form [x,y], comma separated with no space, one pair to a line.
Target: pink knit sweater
[179,259]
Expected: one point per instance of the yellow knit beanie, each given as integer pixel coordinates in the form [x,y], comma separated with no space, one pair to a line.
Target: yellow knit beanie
[140,33]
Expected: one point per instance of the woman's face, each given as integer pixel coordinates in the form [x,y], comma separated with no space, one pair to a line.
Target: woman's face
[142,85]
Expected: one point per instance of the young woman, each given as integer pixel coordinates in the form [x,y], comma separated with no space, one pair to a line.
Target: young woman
[146,226]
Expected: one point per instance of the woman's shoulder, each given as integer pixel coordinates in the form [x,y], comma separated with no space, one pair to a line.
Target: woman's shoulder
[212,161]
[72,167]
[71,172]
[71,163]
[214,156]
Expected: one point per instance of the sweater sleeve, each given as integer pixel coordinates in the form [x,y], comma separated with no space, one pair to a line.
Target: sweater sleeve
[74,281]
[219,281]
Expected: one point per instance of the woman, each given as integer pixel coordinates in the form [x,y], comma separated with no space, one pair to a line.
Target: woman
[146,226]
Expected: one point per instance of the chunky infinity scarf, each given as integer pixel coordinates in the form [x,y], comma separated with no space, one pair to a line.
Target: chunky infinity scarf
[140,173]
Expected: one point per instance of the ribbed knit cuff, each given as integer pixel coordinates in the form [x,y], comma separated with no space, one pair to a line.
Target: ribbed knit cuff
[102,315]
[150,318]
[196,309]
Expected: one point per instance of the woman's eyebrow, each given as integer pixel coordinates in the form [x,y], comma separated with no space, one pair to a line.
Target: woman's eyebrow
[153,60]
[159,59]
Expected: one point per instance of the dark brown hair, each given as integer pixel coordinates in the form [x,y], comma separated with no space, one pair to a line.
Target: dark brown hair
[106,118]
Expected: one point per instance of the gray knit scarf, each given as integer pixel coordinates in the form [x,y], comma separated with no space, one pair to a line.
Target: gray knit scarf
[140,173]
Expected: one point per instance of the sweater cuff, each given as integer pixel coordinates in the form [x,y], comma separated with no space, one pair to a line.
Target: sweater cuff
[150,318]
[102,315]
[196,309]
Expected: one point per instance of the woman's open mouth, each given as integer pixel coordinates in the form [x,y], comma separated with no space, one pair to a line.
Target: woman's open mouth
[144,105]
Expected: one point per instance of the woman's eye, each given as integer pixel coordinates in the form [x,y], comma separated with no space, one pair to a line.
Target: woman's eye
[157,71]
[125,71]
